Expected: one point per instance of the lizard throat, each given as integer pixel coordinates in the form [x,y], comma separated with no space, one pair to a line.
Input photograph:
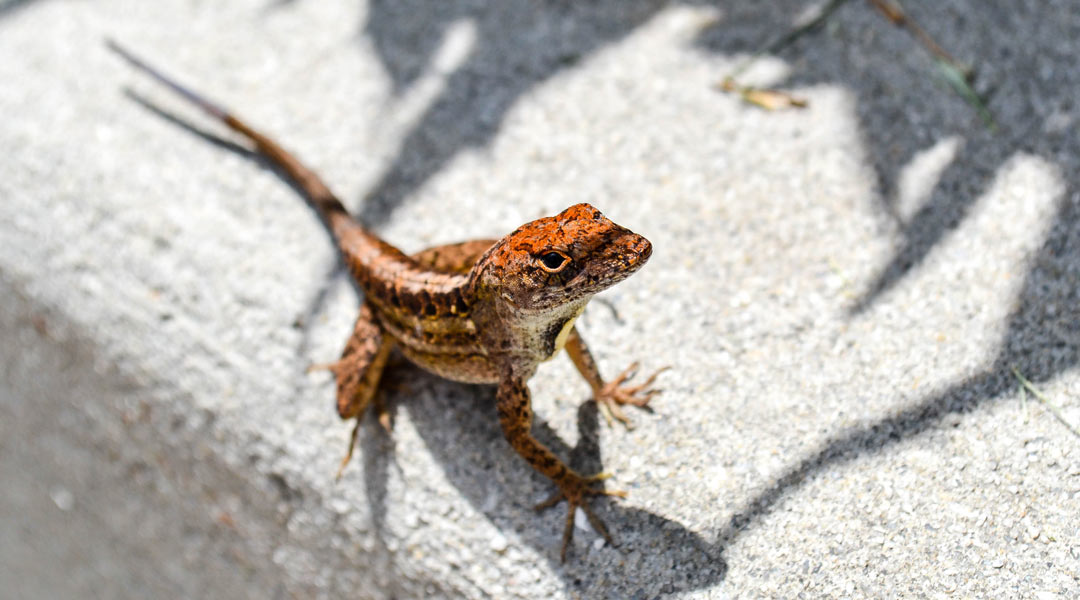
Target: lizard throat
[560,339]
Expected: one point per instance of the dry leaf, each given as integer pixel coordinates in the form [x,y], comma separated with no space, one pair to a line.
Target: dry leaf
[764,98]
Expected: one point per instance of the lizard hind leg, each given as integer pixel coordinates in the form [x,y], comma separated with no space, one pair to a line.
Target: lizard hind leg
[358,373]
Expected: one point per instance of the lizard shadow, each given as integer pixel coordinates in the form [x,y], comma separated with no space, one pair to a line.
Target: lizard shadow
[317,305]
[206,136]
[457,423]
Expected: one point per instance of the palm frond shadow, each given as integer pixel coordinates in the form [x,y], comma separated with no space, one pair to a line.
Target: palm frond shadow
[522,43]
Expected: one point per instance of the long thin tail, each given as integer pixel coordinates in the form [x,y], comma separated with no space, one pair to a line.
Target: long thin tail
[329,207]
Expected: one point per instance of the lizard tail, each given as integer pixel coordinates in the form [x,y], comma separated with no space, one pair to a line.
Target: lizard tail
[331,209]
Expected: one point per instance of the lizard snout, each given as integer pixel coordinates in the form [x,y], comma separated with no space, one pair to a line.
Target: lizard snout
[618,259]
[643,248]
[631,249]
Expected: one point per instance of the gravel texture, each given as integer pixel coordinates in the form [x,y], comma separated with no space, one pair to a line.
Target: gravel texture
[842,291]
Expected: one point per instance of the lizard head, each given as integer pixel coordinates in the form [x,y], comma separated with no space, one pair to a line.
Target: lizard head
[561,260]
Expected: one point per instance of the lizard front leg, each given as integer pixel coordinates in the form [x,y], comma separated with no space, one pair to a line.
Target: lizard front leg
[610,396]
[358,373]
[514,406]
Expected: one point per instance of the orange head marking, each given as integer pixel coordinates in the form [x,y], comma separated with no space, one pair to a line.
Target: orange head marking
[557,260]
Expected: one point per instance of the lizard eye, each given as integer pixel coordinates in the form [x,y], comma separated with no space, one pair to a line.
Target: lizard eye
[554,261]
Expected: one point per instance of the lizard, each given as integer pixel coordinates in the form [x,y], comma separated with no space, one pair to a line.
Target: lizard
[482,312]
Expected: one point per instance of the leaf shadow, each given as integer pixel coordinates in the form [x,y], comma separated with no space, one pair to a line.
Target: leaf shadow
[902,109]
[522,44]
[518,45]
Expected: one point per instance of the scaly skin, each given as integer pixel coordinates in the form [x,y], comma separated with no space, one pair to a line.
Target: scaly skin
[485,311]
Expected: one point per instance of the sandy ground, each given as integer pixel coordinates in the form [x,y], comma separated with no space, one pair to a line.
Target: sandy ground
[843,292]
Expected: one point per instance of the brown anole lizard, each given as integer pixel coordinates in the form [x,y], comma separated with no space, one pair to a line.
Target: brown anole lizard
[484,311]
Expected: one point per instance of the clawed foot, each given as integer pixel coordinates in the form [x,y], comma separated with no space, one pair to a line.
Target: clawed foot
[574,490]
[611,397]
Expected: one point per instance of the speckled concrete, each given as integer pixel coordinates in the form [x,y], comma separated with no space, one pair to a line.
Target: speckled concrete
[842,292]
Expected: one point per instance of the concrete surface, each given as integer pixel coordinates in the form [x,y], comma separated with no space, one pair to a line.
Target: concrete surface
[842,291]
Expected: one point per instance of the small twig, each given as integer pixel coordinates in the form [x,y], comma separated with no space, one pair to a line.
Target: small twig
[893,12]
[957,74]
[1046,401]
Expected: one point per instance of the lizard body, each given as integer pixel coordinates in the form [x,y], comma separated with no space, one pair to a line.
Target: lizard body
[485,311]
